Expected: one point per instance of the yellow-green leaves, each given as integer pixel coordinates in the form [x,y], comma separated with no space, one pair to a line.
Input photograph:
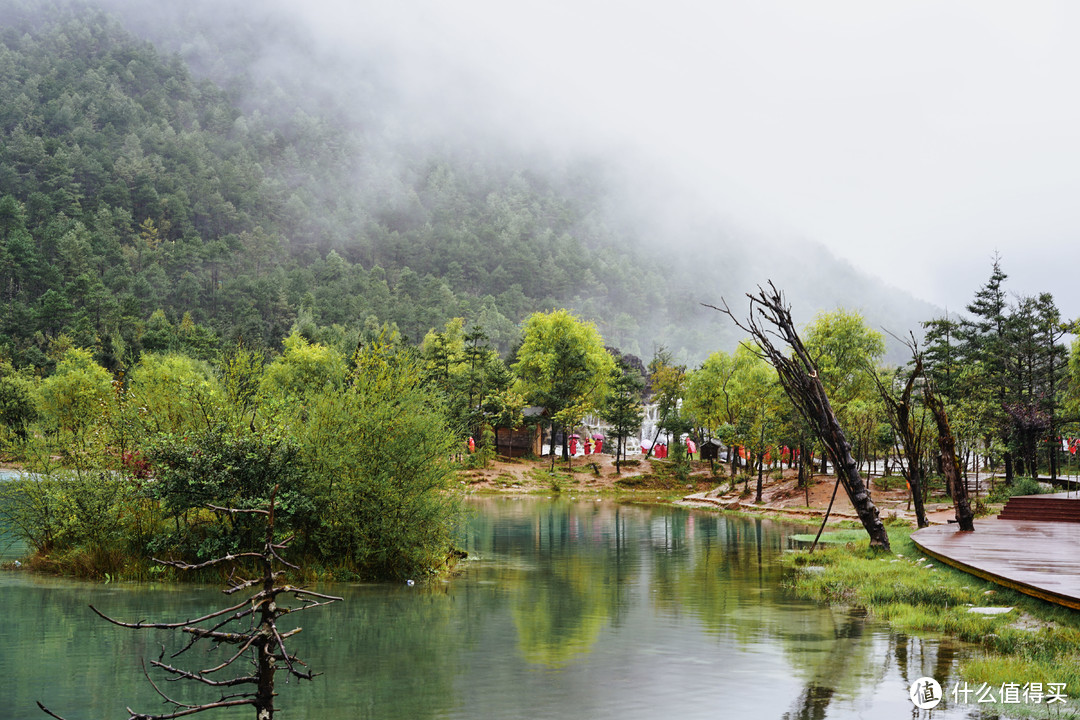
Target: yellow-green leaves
[303,369]
[71,398]
[174,392]
[562,362]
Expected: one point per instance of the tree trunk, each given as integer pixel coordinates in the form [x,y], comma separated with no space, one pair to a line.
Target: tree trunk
[949,465]
[264,695]
[760,462]
[848,473]
[899,414]
[799,377]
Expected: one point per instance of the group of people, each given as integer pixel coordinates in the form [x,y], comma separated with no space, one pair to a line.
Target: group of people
[591,445]
[660,450]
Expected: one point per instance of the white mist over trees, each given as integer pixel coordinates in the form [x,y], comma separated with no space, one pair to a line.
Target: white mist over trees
[405,98]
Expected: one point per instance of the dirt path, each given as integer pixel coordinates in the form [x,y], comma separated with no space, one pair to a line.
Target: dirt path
[596,473]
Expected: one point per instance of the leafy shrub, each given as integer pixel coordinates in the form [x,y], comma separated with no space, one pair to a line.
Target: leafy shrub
[1020,486]
[376,458]
[229,469]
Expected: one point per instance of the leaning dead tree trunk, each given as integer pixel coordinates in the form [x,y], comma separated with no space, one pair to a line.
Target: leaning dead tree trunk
[950,467]
[260,644]
[770,318]
[900,417]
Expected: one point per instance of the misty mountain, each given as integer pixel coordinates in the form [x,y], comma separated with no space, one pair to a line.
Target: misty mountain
[205,167]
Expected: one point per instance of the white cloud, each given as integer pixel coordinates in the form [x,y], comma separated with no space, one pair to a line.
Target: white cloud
[914,138]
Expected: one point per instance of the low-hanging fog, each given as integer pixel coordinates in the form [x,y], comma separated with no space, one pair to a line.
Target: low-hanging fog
[913,140]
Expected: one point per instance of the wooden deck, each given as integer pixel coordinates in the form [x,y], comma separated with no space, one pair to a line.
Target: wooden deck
[1039,558]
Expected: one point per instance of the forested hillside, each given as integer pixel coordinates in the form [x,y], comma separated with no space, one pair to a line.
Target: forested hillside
[147,207]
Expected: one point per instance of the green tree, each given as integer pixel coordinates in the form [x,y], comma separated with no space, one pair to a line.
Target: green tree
[563,367]
[984,340]
[17,410]
[846,352]
[667,384]
[158,335]
[175,393]
[70,400]
[757,403]
[708,392]
[378,453]
[623,409]
[226,468]
[303,369]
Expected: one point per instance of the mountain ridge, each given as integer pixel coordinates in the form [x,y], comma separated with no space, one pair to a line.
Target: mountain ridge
[131,185]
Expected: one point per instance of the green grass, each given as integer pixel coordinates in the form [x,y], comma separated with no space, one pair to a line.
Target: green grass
[1037,641]
[835,537]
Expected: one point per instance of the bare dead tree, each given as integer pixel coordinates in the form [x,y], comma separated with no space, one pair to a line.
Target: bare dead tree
[899,411]
[950,465]
[769,318]
[261,644]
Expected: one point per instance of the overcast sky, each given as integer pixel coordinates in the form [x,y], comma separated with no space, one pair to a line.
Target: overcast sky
[912,138]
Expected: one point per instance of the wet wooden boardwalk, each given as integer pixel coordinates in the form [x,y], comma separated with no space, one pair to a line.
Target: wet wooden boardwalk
[1035,557]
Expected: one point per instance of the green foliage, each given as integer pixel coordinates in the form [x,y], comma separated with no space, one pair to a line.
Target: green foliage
[623,408]
[175,393]
[226,469]
[709,393]
[845,350]
[378,468]
[302,370]
[242,371]
[70,399]
[563,366]
[475,383]
[67,513]
[17,407]
[680,462]
[361,465]
[1021,486]
[133,194]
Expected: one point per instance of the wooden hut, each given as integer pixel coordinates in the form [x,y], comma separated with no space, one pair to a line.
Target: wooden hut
[710,449]
[524,439]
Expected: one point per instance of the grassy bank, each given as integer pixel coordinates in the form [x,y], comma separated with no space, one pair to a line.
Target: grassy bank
[1034,642]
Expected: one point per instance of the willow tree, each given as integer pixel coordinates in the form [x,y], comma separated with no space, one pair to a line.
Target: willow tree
[769,319]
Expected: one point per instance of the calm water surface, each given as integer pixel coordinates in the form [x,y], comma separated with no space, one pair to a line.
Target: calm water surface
[565,609]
